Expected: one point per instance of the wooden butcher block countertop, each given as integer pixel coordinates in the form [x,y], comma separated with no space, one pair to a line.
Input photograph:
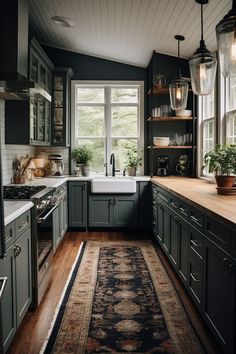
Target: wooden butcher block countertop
[202,194]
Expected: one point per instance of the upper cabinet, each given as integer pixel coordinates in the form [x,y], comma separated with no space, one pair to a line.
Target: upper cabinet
[40,67]
[28,122]
[61,94]
[171,137]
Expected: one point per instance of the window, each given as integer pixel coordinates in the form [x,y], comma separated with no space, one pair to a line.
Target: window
[230,116]
[107,117]
[207,119]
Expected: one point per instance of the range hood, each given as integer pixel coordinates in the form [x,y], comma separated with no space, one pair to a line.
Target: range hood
[14,22]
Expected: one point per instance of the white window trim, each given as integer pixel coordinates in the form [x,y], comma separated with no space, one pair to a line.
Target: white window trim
[111,83]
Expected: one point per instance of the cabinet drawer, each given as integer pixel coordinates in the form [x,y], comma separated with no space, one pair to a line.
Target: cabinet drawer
[195,278]
[10,234]
[163,195]
[196,218]
[196,241]
[22,223]
[173,203]
[220,234]
[183,209]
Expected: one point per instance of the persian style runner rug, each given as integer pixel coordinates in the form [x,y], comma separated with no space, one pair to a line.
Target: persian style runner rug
[119,299]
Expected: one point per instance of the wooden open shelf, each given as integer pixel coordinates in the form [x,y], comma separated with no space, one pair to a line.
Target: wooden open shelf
[170,147]
[161,90]
[168,119]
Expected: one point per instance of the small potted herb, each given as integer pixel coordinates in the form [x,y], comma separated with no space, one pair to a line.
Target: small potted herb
[82,155]
[133,160]
[222,161]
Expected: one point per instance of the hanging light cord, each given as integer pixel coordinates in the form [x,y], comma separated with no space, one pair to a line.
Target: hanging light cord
[178,49]
[202,22]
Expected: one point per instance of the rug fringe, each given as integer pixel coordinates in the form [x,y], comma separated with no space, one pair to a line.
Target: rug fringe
[60,301]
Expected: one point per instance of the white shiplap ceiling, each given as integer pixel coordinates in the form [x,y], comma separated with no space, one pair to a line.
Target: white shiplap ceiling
[127,30]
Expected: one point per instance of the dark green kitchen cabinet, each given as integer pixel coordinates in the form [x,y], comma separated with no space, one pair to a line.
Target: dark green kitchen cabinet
[17,297]
[178,244]
[77,204]
[154,213]
[7,269]
[219,306]
[163,225]
[145,210]
[60,215]
[113,210]
[61,115]
[100,211]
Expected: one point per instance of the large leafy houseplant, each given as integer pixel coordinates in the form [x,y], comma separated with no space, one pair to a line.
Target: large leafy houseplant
[82,155]
[222,161]
[133,160]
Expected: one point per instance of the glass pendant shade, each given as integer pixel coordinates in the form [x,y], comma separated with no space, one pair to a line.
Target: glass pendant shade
[178,89]
[202,71]
[202,65]
[226,41]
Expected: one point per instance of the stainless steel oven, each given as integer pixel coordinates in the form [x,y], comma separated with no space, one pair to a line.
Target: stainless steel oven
[44,242]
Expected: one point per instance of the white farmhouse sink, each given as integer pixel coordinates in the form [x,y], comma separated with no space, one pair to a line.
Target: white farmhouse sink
[113,185]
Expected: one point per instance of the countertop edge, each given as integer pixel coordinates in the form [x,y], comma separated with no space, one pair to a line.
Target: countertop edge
[14,209]
[202,208]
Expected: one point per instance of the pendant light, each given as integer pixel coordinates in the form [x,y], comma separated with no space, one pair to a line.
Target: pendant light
[202,65]
[178,87]
[226,40]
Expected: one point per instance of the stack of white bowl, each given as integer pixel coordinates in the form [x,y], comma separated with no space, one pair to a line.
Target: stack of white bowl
[161,140]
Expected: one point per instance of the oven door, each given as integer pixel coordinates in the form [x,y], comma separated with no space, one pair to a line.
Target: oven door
[45,241]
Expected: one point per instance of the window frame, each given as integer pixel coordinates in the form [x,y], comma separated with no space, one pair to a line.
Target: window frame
[108,107]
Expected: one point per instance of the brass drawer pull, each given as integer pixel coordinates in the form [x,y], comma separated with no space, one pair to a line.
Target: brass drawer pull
[173,204]
[183,210]
[195,219]
[195,244]
[24,224]
[194,277]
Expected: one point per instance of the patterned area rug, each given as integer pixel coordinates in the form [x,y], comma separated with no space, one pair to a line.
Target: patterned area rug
[120,300]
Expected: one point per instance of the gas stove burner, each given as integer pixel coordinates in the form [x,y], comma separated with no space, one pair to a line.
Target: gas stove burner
[21,192]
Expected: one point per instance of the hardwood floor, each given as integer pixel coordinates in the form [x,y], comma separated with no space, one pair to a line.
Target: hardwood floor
[34,328]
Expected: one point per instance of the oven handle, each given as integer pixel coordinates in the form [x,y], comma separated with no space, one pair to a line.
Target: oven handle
[41,220]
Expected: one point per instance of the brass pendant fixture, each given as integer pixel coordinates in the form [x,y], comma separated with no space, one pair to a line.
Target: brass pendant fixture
[178,87]
[202,65]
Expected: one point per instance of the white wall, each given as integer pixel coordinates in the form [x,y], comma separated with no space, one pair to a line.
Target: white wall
[9,152]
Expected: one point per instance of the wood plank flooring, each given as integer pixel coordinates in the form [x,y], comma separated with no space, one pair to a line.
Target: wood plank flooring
[34,328]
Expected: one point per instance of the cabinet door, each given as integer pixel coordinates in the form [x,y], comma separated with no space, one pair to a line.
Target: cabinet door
[174,230]
[183,250]
[195,278]
[56,228]
[144,204]
[7,269]
[65,213]
[163,225]
[23,275]
[125,211]
[77,204]
[100,211]
[219,294]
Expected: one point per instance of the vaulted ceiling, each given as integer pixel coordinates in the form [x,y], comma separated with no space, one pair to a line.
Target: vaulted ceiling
[127,30]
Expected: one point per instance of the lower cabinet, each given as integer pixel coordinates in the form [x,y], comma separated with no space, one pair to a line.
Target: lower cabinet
[17,297]
[113,210]
[202,251]
[60,216]
[219,305]
[77,204]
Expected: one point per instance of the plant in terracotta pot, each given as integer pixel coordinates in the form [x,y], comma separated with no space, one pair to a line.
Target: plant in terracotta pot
[82,155]
[222,161]
[133,160]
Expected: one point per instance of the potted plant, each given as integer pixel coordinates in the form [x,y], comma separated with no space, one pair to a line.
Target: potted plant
[222,161]
[133,160]
[82,155]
